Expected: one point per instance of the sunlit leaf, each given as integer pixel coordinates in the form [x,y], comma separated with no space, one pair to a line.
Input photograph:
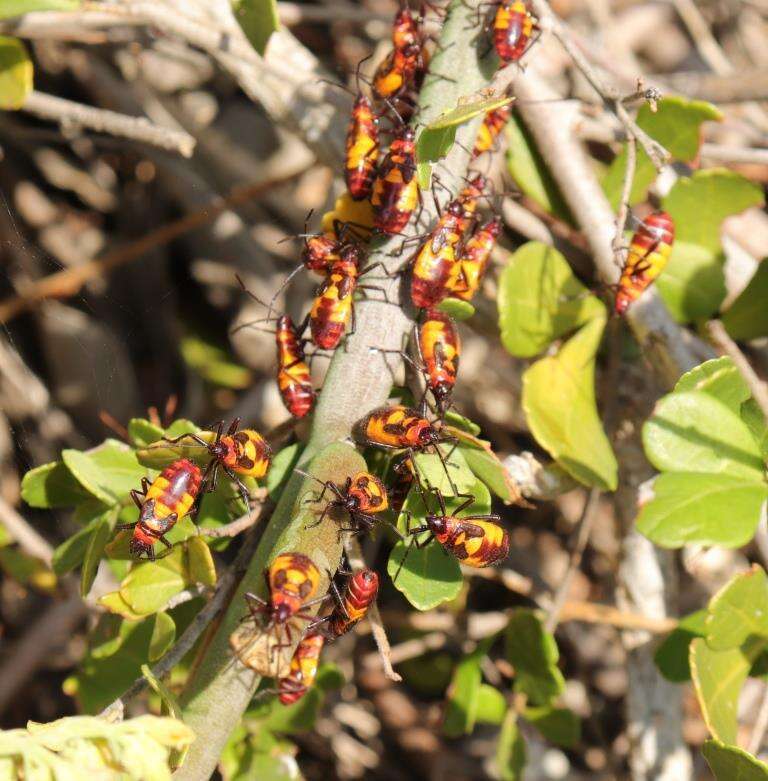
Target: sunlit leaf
[51,485]
[258,20]
[163,635]
[731,763]
[739,610]
[561,409]
[463,694]
[558,725]
[718,377]
[747,317]
[510,749]
[15,72]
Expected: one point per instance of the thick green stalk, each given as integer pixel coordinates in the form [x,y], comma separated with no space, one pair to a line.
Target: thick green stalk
[358,381]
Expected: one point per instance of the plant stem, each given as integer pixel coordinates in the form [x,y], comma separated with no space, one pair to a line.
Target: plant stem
[358,381]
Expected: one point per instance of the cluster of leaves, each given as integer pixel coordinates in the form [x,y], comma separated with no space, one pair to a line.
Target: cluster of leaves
[719,648]
[80,746]
[537,684]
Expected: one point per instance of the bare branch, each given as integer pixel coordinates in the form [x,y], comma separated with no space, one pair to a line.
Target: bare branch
[73,116]
[29,540]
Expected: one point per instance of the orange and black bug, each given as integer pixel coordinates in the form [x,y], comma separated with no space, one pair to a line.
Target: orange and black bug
[292,582]
[469,197]
[331,312]
[168,498]
[398,427]
[303,670]
[439,347]
[359,595]
[513,26]
[493,123]
[648,254]
[435,269]
[362,496]
[239,453]
[475,540]
[395,191]
[397,72]
[400,486]
[362,149]
[474,259]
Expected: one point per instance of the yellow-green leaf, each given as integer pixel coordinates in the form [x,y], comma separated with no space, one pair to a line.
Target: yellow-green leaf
[560,407]
[15,73]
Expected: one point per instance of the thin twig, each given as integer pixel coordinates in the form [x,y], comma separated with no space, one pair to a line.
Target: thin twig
[71,115]
[655,151]
[29,540]
[232,529]
[69,281]
[192,633]
[588,515]
[725,344]
[355,555]
[626,192]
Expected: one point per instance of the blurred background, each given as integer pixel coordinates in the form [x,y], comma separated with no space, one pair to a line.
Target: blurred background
[118,296]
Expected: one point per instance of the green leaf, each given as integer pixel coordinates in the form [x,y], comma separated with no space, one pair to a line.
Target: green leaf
[258,20]
[150,585]
[436,139]
[558,725]
[676,125]
[455,420]
[431,470]
[533,653]
[456,308]
[747,317]
[142,432]
[9,8]
[693,283]
[718,677]
[108,472]
[738,610]
[209,360]
[200,567]
[699,204]
[163,636]
[671,656]
[561,410]
[95,550]
[530,173]
[731,763]
[694,432]
[491,705]
[510,750]
[15,73]
[51,485]
[540,299]
[703,508]
[487,467]
[464,693]
[26,569]
[281,468]
[720,378]
[754,419]
[429,577]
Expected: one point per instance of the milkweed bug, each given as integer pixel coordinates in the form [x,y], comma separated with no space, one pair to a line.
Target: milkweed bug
[239,453]
[493,123]
[362,496]
[170,497]
[359,594]
[362,149]
[475,540]
[474,259]
[512,28]
[396,191]
[648,254]
[303,669]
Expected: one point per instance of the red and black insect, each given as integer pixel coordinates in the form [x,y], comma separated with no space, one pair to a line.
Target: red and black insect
[237,452]
[649,253]
[161,504]
[475,540]
[469,198]
[303,669]
[331,312]
[493,123]
[435,269]
[439,348]
[360,593]
[512,28]
[474,259]
[362,496]
[362,149]
[395,191]
[398,427]
[292,582]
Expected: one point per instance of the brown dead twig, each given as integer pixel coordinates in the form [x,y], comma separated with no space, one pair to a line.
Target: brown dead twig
[69,282]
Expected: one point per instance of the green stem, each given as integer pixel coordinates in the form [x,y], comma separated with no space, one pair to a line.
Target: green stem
[358,381]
